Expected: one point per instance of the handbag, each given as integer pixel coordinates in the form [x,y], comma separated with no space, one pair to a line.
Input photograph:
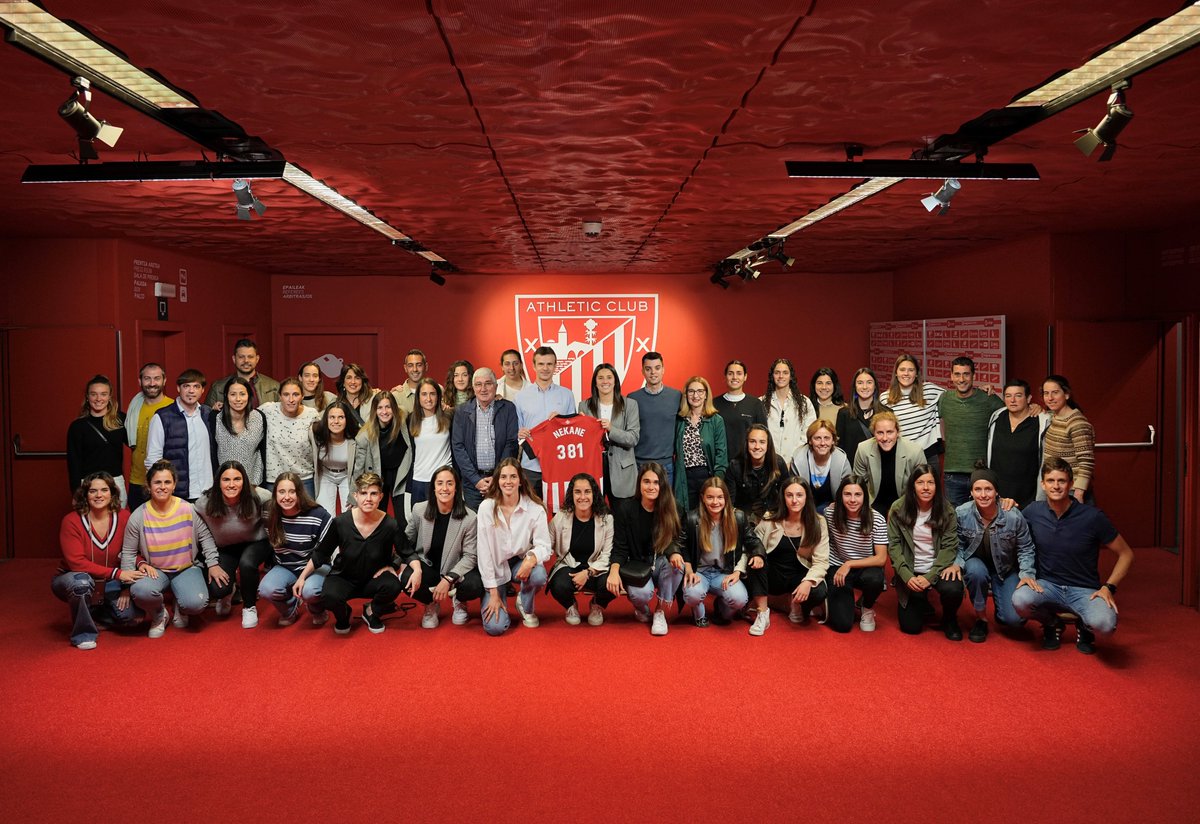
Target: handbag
[636,573]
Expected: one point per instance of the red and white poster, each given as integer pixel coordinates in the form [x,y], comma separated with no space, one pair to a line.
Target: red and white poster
[939,341]
[587,330]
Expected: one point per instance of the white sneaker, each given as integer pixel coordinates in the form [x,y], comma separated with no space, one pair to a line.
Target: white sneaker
[796,613]
[224,606]
[573,616]
[867,622]
[430,619]
[86,645]
[761,622]
[180,621]
[527,618]
[642,614]
[460,616]
[659,624]
[249,617]
[159,625]
[595,616]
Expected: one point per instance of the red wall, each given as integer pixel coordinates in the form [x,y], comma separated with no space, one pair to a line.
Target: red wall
[814,320]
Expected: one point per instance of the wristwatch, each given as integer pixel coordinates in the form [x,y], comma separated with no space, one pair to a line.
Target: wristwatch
[1111,588]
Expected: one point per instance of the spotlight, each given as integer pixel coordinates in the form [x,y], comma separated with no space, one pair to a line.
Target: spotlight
[87,128]
[781,256]
[1106,131]
[718,278]
[748,272]
[940,199]
[436,276]
[246,201]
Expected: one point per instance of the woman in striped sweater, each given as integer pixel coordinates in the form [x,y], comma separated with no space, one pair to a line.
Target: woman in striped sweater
[915,404]
[1069,436]
[295,525]
[163,540]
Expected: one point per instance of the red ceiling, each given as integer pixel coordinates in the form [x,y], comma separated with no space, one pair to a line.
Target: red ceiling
[488,131]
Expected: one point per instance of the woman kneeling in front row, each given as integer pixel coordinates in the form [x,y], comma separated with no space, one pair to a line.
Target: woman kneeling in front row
[442,533]
[719,542]
[923,542]
[857,554]
[796,556]
[582,536]
[514,543]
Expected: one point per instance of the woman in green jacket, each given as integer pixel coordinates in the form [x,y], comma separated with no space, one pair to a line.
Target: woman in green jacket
[922,542]
[700,448]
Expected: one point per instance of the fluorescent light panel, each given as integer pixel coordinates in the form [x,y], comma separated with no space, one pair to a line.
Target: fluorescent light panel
[858,194]
[42,33]
[1160,42]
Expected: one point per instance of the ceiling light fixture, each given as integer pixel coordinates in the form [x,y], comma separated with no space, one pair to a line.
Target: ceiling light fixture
[1105,133]
[87,128]
[247,203]
[940,200]
[436,276]
[912,169]
[778,254]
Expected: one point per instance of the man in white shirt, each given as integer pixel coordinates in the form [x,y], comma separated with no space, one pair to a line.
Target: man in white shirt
[541,400]
[179,433]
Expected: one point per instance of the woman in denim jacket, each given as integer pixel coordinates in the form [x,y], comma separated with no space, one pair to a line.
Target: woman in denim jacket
[995,550]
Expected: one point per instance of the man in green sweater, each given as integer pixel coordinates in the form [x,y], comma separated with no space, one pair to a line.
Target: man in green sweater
[965,413]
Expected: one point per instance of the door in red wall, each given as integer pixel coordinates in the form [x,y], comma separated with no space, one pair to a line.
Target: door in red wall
[331,350]
[45,373]
[1116,375]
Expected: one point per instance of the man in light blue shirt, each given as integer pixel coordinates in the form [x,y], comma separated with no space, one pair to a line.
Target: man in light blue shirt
[539,401]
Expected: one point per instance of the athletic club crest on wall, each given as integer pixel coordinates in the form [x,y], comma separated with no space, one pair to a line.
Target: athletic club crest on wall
[587,330]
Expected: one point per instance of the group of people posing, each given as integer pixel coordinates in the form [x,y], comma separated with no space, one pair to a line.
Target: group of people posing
[799,496]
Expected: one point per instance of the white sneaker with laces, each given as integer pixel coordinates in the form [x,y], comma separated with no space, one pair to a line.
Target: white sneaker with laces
[86,645]
[867,622]
[460,616]
[573,616]
[761,622]
[224,606]
[180,621]
[659,624]
[527,618]
[430,619]
[595,616]
[159,625]
[249,617]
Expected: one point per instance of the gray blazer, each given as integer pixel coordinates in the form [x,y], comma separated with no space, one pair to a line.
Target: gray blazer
[458,552]
[366,459]
[560,541]
[867,462]
[624,431]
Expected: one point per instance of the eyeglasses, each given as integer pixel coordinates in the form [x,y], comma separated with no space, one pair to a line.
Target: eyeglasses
[697,392]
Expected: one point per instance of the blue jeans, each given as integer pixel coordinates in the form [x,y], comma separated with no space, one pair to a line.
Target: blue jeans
[77,588]
[1044,606]
[728,601]
[276,587]
[526,590]
[957,486]
[664,577]
[978,580]
[472,496]
[188,585]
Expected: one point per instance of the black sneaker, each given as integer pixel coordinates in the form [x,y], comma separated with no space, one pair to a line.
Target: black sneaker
[979,632]
[373,621]
[952,629]
[1085,640]
[1051,635]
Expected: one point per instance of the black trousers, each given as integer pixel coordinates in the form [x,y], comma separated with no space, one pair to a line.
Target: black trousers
[382,590]
[469,588]
[912,614]
[562,588]
[696,476]
[841,599]
[241,563]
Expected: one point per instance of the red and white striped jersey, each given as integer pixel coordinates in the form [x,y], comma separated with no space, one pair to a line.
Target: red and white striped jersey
[565,446]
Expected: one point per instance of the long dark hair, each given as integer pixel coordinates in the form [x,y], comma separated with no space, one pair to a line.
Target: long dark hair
[320,427]
[770,461]
[841,518]
[809,519]
[248,506]
[524,487]
[451,393]
[837,397]
[227,413]
[592,404]
[1064,385]
[916,395]
[856,411]
[599,507]
[306,504]
[319,397]
[371,424]
[459,510]
[667,526]
[727,523]
[798,399]
[364,394]
[79,501]
[440,413]
[941,512]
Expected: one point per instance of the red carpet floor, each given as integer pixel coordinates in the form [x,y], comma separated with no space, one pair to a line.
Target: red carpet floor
[560,723]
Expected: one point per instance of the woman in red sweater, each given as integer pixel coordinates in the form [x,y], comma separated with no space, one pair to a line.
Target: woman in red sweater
[91,580]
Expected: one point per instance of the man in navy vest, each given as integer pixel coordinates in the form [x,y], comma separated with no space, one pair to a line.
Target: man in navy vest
[179,433]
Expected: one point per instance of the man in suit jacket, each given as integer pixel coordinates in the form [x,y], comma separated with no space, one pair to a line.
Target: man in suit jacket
[484,433]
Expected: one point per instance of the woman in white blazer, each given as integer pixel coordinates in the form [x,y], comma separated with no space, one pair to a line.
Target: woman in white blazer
[581,536]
